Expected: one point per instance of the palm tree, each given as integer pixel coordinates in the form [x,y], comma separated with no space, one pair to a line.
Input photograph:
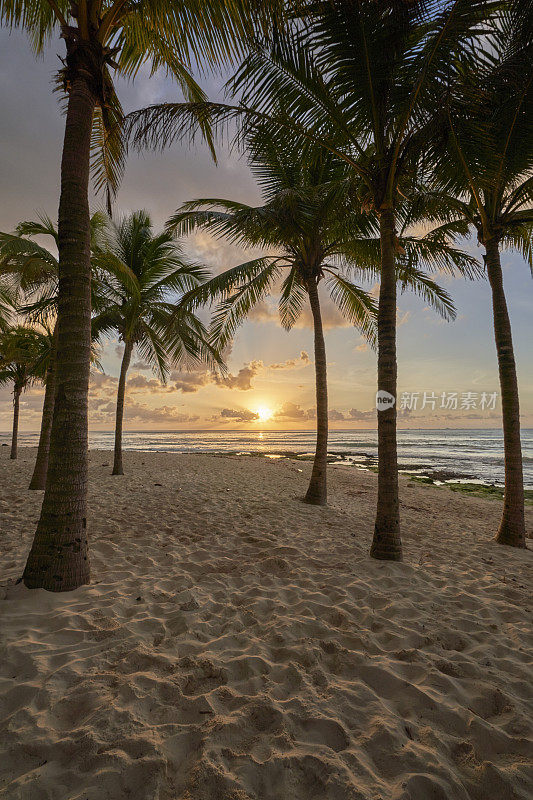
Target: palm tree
[141,271]
[485,182]
[32,271]
[100,36]
[24,356]
[358,79]
[308,218]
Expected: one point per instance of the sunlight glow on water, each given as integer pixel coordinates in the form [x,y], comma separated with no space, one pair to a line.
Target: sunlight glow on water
[478,453]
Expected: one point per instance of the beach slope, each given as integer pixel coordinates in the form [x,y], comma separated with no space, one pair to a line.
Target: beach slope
[237,644]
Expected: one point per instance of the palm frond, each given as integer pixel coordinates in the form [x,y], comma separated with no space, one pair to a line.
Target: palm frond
[108,148]
[292,297]
[431,292]
[221,286]
[356,305]
[232,311]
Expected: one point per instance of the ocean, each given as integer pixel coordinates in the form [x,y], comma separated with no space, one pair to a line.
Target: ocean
[468,454]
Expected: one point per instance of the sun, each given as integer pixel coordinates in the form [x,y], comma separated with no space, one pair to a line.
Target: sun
[264,413]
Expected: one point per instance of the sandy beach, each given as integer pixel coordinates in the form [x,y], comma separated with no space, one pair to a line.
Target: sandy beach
[237,644]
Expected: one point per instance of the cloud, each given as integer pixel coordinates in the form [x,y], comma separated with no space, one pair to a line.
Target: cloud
[336,416]
[102,411]
[359,416]
[139,383]
[264,311]
[219,253]
[291,363]
[267,311]
[99,380]
[293,411]
[102,386]
[188,382]
[194,380]
[31,404]
[142,365]
[144,413]
[241,381]
[240,415]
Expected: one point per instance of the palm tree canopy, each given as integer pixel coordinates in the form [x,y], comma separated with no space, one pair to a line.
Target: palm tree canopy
[142,277]
[483,154]
[26,265]
[359,79]
[119,36]
[7,304]
[24,356]
[310,217]
[31,272]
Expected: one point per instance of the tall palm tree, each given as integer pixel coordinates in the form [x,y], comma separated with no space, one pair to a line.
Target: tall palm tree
[308,218]
[141,274]
[24,357]
[32,274]
[358,79]
[100,36]
[300,219]
[485,182]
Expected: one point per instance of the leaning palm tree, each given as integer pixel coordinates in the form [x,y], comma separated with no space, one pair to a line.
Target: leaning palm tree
[100,36]
[141,273]
[32,273]
[359,79]
[485,182]
[24,357]
[308,218]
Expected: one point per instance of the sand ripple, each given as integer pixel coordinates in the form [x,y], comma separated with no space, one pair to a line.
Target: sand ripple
[237,644]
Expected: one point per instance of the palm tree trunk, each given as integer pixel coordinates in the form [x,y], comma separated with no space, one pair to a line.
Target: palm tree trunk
[15,434]
[117,464]
[512,529]
[38,480]
[317,493]
[58,559]
[387,543]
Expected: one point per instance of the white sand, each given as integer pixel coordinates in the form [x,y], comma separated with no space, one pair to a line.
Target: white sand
[237,644]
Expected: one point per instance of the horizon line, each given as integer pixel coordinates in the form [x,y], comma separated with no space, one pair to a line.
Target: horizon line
[268,430]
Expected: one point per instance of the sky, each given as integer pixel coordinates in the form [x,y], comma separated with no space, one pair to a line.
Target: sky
[270,379]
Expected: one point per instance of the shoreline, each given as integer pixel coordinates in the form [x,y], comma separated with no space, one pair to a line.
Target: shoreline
[443,456]
[424,473]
